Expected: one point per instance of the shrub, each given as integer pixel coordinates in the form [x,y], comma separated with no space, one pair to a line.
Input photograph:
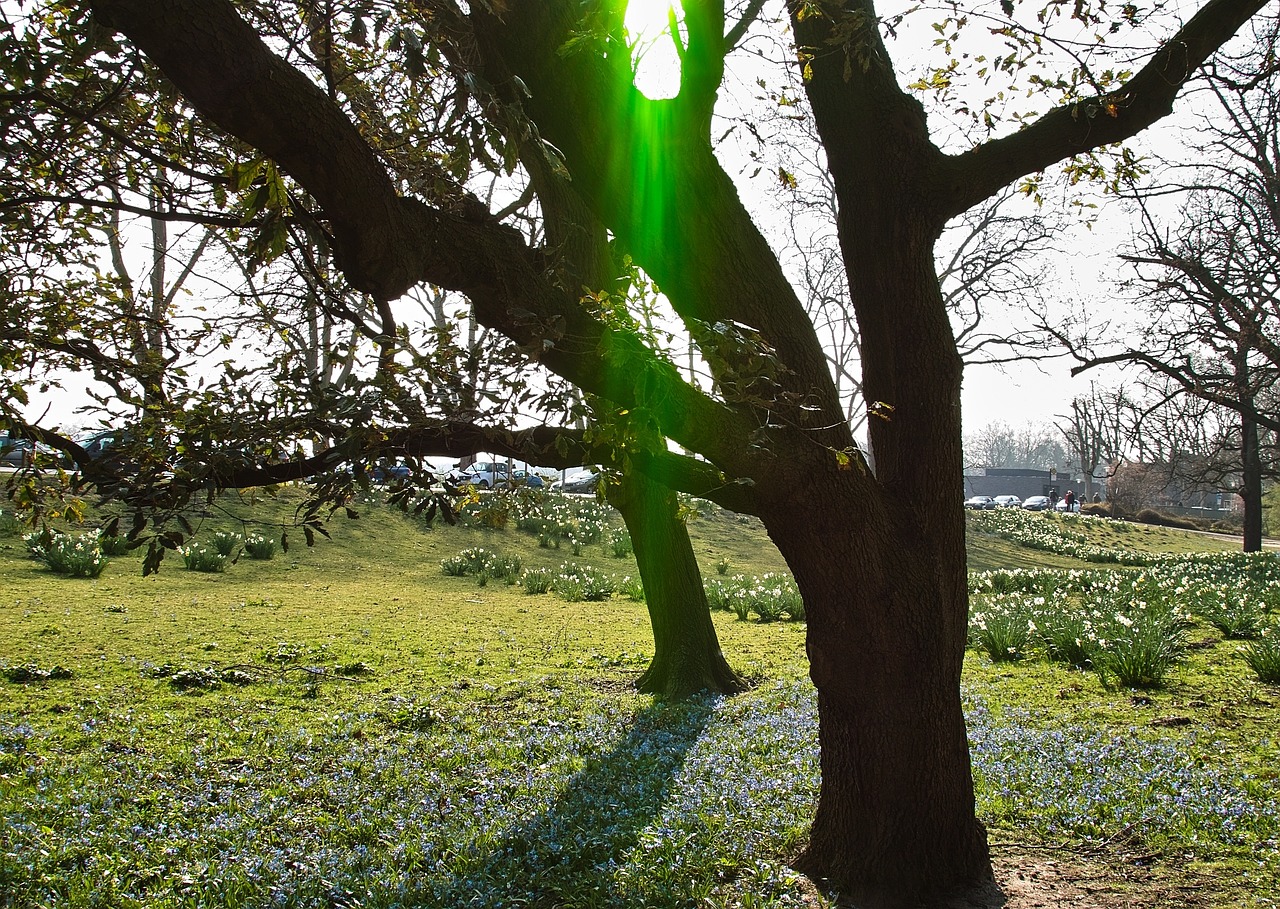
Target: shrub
[558,518]
[569,588]
[1151,516]
[482,563]
[455,566]
[582,582]
[492,510]
[632,588]
[1263,655]
[78,556]
[1237,616]
[1143,654]
[199,557]
[1067,636]
[113,544]
[260,547]
[722,567]
[772,597]
[1002,628]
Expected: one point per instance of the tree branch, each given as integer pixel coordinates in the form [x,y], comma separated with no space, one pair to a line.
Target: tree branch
[385,243]
[1094,122]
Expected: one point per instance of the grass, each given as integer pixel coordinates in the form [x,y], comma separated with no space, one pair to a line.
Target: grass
[348,725]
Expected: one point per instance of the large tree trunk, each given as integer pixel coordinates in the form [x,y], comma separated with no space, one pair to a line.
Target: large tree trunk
[883,572]
[895,822]
[686,652]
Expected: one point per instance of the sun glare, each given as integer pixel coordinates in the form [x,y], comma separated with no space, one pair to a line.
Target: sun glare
[653,53]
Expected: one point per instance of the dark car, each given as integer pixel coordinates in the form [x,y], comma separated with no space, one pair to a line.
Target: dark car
[1036,503]
[16,453]
[100,443]
[389,472]
[586,481]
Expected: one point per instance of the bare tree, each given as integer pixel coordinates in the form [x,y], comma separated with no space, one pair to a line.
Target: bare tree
[1209,277]
[997,444]
[1096,431]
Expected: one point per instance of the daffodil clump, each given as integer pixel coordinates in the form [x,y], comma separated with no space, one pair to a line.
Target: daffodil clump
[73,555]
[1128,625]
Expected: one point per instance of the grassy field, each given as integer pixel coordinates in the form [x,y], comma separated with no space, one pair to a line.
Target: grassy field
[345,725]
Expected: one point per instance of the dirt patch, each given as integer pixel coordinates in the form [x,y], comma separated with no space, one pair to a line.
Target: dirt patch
[1033,878]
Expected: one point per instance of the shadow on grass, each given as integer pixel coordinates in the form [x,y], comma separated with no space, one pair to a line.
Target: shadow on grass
[568,854]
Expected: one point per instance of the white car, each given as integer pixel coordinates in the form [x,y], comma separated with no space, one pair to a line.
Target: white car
[485,474]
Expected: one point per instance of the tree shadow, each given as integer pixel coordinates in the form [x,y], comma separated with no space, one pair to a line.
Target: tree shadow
[569,853]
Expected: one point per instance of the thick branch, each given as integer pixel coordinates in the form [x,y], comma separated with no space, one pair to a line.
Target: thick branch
[1185,379]
[387,243]
[1094,122]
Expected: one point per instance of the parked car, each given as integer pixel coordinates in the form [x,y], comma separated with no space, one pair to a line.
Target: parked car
[1036,503]
[585,481]
[16,453]
[527,478]
[981,503]
[386,473]
[1062,506]
[485,474]
[1008,502]
[99,443]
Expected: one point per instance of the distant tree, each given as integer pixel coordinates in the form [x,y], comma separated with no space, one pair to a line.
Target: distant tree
[1034,447]
[1196,444]
[1096,432]
[1208,277]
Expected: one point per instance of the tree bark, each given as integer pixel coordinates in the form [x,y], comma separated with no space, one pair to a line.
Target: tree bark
[686,651]
[895,824]
[1251,483]
[885,588]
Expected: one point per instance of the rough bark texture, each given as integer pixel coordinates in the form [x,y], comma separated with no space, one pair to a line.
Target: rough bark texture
[686,652]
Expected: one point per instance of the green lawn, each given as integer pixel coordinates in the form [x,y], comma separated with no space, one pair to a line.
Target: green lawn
[387,735]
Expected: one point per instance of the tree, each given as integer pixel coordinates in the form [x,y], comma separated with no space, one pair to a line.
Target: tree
[1096,431]
[1194,446]
[879,559]
[686,656]
[1000,445]
[1209,281]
